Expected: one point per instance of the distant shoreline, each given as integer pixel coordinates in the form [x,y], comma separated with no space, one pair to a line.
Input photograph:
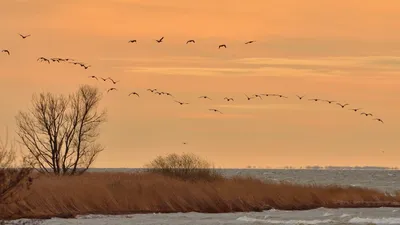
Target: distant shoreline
[110,193]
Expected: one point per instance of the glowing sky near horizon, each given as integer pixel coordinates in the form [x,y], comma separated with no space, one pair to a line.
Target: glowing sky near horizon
[348,51]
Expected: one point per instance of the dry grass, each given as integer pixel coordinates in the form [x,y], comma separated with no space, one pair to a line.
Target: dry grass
[119,193]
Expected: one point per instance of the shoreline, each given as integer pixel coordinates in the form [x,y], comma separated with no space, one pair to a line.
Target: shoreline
[144,193]
[122,213]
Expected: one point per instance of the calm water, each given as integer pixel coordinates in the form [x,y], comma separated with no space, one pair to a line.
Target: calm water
[385,180]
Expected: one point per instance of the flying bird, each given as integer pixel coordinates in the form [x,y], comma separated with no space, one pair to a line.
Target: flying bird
[182,103]
[249,42]
[104,79]
[161,39]
[133,93]
[6,51]
[269,95]
[94,77]
[55,59]
[379,120]
[355,110]
[300,97]
[215,110]
[190,41]
[366,114]
[257,96]
[152,90]
[24,36]
[169,94]
[205,97]
[314,99]
[185,143]
[221,46]
[281,96]
[329,101]
[114,82]
[43,59]
[228,99]
[342,105]
[248,98]
[132,41]
[86,67]
[111,89]
[159,92]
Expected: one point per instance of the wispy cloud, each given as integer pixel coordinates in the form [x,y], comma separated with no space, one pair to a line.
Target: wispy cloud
[217,116]
[376,63]
[266,106]
[285,67]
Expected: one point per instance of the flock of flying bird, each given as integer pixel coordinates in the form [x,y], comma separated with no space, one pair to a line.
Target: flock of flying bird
[155,91]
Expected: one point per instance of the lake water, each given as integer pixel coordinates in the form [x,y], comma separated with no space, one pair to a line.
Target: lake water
[385,180]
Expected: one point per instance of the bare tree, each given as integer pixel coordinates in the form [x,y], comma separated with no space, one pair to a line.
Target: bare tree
[60,132]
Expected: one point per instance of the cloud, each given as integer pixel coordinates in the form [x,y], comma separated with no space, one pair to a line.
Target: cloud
[266,106]
[376,63]
[216,116]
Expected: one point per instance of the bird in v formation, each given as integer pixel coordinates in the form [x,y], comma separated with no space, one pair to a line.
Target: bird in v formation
[155,91]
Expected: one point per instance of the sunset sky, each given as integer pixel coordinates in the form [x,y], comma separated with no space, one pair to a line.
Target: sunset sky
[348,51]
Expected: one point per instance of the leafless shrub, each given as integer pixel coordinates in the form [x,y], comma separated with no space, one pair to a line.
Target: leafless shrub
[186,166]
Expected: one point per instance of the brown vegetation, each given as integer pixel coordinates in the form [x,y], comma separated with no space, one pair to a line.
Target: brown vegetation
[120,193]
[186,166]
[12,179]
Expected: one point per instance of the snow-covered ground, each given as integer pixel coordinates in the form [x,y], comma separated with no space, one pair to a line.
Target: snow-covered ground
[317,216]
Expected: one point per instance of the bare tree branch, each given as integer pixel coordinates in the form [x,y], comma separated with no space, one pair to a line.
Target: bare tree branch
[60,132]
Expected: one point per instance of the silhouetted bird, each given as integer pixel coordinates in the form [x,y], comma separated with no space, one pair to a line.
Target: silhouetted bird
[269,94]
[152,90]
[6,51]
[314,99]
[379,120]
[221,46]
[205,97]
[329,101]
[158,92]
[366,114]
[185,143]
[111,89]
[94,77]
[55,60]
[228,99]
[169,94]
[133,93]
[104,79]
[257,96]
[114,82]
[190,41]
[282,96]
[132,41]
[342,105]
[24,36]
[300,97]
[355,110]
[249,42]
[86,67]
[248,98]
[43,59]
[182,103]
[215,110]
[161,39]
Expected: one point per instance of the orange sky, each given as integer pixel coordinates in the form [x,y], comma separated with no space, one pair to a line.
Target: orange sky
[347,51]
